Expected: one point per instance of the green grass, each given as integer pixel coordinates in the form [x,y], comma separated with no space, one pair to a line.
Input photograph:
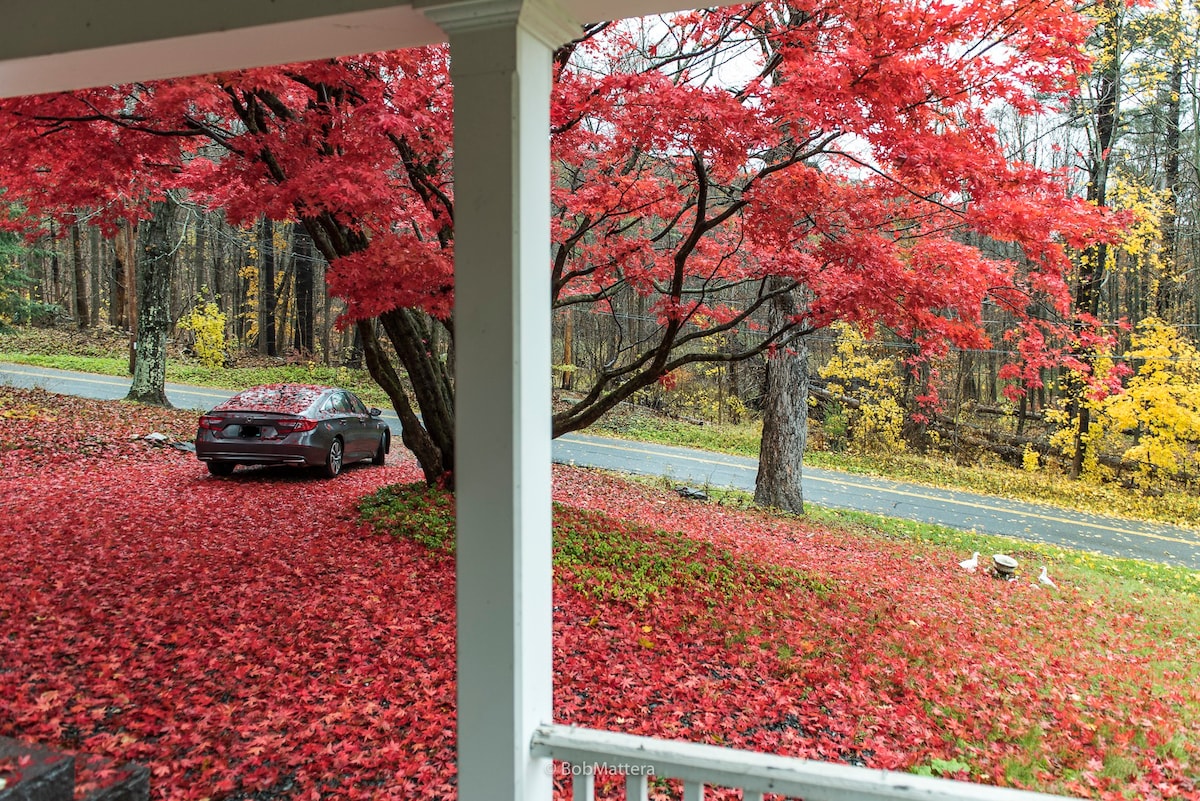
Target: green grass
[412,511]
[103,365]
[607,558]
[1133,574]
[742,439]
[232,378]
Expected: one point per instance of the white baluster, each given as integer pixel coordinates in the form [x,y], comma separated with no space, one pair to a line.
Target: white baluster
[637,788]
[583,784]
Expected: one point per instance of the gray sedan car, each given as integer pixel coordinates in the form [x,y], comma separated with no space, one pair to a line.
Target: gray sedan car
[291,424]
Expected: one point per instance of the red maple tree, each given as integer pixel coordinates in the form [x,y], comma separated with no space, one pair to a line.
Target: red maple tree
[707,163]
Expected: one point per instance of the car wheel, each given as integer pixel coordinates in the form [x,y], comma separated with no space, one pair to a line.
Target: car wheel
[380,456]
[333,460]
[221,468]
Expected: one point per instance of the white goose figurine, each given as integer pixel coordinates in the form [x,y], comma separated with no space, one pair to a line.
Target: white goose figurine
[1045,580]
[969,565]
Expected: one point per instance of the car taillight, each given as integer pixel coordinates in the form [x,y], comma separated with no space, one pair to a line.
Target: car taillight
[211,423]
[294,426]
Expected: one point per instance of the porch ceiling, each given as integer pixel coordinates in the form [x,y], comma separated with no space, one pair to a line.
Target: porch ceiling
[56,45]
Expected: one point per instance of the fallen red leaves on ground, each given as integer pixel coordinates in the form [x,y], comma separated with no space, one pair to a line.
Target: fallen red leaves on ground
[251,638]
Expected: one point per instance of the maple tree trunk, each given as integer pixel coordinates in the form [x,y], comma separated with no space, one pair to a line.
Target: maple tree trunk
[431,435]
[155,262]
[412,432]
[410,333]
[785,421]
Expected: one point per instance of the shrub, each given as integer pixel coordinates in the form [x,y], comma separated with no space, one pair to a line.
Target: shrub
[207,322]
[876,424]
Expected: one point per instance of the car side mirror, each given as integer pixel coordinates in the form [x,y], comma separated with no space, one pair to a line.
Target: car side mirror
[374,412]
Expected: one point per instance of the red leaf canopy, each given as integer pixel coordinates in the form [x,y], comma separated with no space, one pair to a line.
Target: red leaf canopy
[842,147]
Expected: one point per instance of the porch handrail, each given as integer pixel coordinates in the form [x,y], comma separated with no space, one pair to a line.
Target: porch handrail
[699,765]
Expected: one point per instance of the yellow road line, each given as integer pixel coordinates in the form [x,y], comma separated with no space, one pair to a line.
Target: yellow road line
[922,496]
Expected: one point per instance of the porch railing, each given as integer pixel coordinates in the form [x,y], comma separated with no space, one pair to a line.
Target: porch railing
[584,751]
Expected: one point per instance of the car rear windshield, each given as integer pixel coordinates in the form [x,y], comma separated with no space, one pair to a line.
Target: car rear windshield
[280,398]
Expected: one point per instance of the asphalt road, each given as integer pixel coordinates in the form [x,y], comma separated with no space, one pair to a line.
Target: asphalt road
[1113,536]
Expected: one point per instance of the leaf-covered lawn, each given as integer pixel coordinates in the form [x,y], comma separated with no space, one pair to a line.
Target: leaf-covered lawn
[252,638]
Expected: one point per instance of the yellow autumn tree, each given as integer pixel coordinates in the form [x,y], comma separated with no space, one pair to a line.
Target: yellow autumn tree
[873,381]
[1160,407]
[206,321]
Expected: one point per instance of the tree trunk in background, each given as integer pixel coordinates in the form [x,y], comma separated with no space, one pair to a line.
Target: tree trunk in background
[303,259]
[55,277]
[326,343]
[79,267]
[95,262]
[224,273]
[1193,249]
[155,262]
[1091,272]
[285,272]
[1169,297]
[241,303]
[785,420]
[568,373]
[202,285]
[266,290]
[222,286]
[125,287]
[352,351]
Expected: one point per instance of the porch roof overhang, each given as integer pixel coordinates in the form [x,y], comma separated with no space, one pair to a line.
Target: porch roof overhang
[57,45]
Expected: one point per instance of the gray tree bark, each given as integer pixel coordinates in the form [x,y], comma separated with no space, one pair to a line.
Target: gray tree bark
[266,289]
[156,258]
[83,317]
[95,275]
[305,292]
[785,420]
[1104,137]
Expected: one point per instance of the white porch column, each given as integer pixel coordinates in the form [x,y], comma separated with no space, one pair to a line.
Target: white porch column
[500,63]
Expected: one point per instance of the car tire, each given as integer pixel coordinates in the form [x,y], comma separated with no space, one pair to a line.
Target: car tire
[381,452]
[334,459]
[221,468]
